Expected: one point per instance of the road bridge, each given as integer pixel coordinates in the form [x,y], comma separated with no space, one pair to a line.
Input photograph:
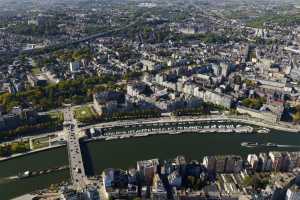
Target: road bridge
[77,172]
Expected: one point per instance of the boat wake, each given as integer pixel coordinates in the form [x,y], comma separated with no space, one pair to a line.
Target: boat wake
[7,179]
[288,146]
[269,144]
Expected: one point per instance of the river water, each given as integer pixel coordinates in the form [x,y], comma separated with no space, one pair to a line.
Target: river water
[124,153]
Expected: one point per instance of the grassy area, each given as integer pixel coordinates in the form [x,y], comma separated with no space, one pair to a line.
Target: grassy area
[40,143]
[59,116]
[36,70]
[84,114]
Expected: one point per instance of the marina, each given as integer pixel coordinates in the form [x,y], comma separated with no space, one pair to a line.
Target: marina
[112,133]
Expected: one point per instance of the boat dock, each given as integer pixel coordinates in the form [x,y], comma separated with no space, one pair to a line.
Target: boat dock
[110,134]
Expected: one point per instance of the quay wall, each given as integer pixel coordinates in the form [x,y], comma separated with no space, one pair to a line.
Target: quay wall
[242,119]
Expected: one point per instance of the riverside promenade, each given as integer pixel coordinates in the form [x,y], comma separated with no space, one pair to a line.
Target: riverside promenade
[229,118]
[17,155]
[286,127]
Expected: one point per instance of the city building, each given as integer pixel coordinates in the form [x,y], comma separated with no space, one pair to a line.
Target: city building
[37,80]
[253,161]
[158,188]
[108,102]
[266,162]
[293,193]
[148,168]
[74,66]
[280,161]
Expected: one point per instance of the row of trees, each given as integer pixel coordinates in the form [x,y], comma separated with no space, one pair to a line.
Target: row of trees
[17,147]
[203,109]
[45,123]
[191,112]
[135,114]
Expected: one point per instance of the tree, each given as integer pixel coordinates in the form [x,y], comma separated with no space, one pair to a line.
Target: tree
[19,147]
[256,182]
[296,117]
[5,151]
[255,103]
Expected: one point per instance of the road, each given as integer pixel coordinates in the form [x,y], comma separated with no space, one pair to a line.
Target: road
[77,172]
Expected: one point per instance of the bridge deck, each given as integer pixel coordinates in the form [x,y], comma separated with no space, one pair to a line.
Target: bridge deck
[77,172]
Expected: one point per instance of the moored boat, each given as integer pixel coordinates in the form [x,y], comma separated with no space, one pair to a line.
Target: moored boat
[249,144]
[263,130]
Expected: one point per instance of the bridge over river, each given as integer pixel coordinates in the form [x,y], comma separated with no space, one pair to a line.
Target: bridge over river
[77,171]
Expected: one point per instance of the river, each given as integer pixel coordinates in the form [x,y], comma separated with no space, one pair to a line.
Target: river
[124,153]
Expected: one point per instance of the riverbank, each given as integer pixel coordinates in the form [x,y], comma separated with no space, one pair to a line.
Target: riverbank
[184,119]
[2,159]
[281,126]
[172,130]
[25,197]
